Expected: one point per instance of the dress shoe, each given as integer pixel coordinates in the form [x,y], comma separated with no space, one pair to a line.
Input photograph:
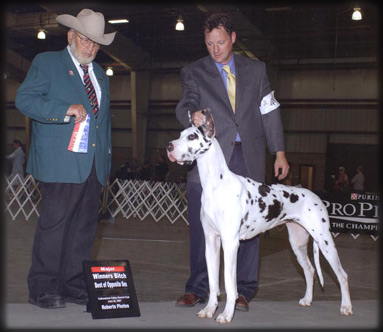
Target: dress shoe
[48,301]
[81,299]
[241,304]
[189,300]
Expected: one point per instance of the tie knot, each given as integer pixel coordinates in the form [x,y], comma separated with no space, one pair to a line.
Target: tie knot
[84,68]
[226,68]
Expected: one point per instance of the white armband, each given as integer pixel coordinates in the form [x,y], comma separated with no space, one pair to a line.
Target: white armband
[268,103]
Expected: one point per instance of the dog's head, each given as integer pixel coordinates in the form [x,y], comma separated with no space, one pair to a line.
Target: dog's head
[193,141]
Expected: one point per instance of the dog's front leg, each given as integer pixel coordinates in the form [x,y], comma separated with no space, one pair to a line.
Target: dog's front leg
[230,251]
[213,246]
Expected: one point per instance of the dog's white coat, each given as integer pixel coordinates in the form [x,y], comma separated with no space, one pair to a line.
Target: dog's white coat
[235,208]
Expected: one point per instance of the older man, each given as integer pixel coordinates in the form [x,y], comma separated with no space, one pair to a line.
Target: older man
[66,95]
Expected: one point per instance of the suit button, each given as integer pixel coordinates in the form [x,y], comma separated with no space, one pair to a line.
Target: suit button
[93,144]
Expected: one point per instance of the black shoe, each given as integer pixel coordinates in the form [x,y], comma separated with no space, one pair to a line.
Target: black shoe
[81,299]
[48,301]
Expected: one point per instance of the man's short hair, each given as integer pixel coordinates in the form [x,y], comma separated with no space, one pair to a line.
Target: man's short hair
[217,20]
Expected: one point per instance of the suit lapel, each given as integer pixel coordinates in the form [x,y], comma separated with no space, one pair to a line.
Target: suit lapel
[75,78]
[99,73]
[241,82]
[216,82]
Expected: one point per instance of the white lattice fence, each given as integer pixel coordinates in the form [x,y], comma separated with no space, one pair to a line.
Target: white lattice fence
[145,198]
[21,196]
[129,197]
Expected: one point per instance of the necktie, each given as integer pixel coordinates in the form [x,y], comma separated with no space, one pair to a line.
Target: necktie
[230,85]
[90,90]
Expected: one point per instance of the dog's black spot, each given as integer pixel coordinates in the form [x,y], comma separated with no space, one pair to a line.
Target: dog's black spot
[309,209]
[247,201]
[313,229]
[190,150]
[264,190]
[326,242]
[303,195]
[248,180]
[248,194]
[284,215]
[247,226]
[246,216]
[252,202]
[316,204]
[255,220]
[221,176]
[201,145]
[241,222]
[294,198]
[252,230]
[323,220]
[274,210]
[262,204]
[286,194]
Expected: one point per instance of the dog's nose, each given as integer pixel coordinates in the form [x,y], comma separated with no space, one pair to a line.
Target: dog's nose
[170,147]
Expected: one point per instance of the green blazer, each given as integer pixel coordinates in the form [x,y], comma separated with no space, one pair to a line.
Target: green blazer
[53,84]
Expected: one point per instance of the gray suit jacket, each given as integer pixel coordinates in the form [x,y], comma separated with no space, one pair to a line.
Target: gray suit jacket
[203,87]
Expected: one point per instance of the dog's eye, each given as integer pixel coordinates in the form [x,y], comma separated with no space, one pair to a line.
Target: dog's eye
[192,137]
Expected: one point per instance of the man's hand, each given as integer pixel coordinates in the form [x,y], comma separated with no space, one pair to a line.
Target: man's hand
[78,111]
[281,164]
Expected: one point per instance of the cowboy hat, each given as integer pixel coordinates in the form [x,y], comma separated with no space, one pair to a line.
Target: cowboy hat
[89,23]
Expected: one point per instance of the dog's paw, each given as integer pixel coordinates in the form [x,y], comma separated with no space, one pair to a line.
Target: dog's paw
[207,312]
[346,311]
[304,302]
[224,318]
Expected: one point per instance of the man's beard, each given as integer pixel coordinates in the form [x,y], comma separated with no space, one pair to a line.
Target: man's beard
[81,59]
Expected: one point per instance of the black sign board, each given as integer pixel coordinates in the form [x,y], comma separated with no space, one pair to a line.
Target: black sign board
[351,212]
[110,288]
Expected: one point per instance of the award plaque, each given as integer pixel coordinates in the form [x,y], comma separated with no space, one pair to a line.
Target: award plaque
[111,289]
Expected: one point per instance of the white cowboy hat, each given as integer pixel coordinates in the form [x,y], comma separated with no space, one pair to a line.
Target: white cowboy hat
[89,23]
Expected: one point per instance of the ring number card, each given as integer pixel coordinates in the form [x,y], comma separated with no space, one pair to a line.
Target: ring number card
[111,289]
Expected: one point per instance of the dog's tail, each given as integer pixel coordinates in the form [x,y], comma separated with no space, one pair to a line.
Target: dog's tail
[317,263]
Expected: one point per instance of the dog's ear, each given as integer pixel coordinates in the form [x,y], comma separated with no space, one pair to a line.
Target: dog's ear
[207,127]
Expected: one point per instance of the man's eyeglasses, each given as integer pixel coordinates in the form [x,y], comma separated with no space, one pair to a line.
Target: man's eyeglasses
[84,41]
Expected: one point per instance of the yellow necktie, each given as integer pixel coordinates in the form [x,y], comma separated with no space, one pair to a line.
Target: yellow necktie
[230,85]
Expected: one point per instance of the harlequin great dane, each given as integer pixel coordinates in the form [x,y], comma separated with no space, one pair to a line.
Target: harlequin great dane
[235,208]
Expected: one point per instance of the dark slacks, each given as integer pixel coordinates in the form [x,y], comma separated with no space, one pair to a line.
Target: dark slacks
[247,263]
[64,237]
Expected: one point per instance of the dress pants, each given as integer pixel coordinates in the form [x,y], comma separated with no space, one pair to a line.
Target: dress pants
[64,237]
[247,263]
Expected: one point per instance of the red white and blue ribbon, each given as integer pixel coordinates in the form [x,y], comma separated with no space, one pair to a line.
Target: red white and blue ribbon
[80,135]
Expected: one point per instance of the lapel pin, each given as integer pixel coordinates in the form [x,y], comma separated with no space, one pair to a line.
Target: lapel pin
[71,73]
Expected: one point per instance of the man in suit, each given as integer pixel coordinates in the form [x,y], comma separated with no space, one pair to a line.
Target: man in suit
[54,96]
[244,126]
